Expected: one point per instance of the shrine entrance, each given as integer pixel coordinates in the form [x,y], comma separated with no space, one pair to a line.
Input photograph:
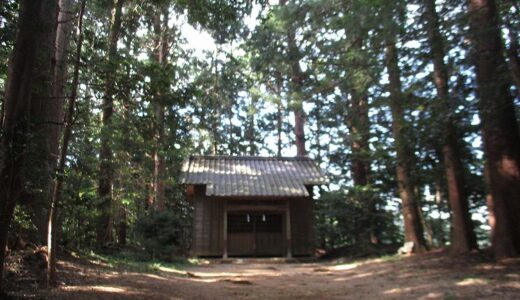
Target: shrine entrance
[256,233]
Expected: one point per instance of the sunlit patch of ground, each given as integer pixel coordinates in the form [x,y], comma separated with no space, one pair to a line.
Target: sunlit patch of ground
[430,276]
[108,289]
[472,281]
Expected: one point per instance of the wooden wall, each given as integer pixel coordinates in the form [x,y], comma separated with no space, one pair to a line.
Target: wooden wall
[208,224]
[302,226]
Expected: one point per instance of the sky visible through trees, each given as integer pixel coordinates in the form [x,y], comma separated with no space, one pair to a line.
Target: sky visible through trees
[201,41]
[410,107]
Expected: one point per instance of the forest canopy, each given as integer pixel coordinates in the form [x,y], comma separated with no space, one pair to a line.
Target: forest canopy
[410,107]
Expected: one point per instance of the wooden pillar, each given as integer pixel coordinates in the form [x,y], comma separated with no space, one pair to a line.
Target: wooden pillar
[288,228]
[224,234]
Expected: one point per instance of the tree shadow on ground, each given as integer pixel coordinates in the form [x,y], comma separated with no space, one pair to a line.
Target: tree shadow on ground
[430,276]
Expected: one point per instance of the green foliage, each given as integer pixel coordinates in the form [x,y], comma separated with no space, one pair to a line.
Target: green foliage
[238,99]
[131,260]
[8,20]
[342,218]
[161,235]
[222,17]
[24,227]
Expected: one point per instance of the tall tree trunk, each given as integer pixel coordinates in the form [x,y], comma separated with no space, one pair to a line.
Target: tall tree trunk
[121,225]
[426,225]
[462,237]
[162,37]
[47,115]
[64,30]
[359,134]
[106,173]
[231,141]
[296,104]
[439,205]
[489,203]
[279,113]
[512,52]
[358,124]
[214,103]
[148,202]
[317,135]
[297,91]
[250,131]
[499,126]
[514,60]
[159,164]
[412,222]
[60,172]
[359,128]
[27,70]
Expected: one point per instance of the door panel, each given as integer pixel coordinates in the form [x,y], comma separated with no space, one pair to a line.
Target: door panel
[269,234]
[255,234]
[241,238]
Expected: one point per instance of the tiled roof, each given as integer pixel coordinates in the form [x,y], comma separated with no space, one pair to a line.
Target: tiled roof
[252,176]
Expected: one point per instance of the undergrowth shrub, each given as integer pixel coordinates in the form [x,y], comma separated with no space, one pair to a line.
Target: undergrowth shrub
[160,234]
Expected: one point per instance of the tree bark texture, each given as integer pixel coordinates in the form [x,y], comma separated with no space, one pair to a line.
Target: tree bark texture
[231,141]
[250,131]
[52,235]
[121,225]
[358,124]
[499,126]
[44,122]
[463,238]
[216,114]
[512,51]
[64,30]
[106,172]
[489,203]
[318,133]
[412,222]
[27,69]
[161,44]
[296,84]
[514,60]
[439,205]
[279,113]
[297,94]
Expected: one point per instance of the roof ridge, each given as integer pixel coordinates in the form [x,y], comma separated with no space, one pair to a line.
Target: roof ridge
[226,175]
[249,157]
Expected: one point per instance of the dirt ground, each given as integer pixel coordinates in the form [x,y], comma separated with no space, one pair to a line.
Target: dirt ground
[429,276]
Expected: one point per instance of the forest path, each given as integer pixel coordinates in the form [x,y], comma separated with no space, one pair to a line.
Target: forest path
[430,276]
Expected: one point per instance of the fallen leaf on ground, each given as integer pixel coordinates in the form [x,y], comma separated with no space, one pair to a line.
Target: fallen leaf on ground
[192,275]
[238,281]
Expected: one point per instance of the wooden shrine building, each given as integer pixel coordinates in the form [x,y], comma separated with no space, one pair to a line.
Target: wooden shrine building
[252,206]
